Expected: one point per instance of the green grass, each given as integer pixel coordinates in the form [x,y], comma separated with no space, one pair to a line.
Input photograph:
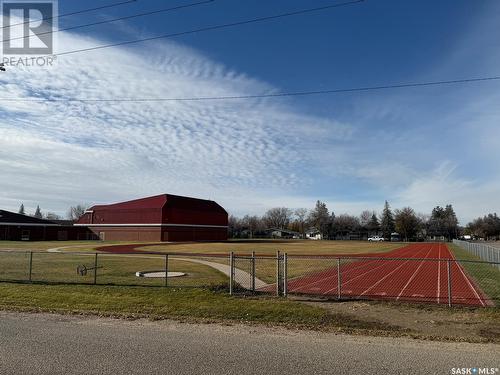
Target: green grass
[156,302]
[486,276]
[114,269]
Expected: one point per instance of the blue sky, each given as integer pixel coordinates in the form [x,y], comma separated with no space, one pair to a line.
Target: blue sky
[416,147]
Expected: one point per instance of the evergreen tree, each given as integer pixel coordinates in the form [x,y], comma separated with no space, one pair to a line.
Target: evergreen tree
[320,218]
[21,209]
[374,225]
[387,221]
[450,222]
[38,213]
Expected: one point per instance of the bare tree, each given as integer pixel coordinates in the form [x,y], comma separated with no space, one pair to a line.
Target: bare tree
[364,219]
[76,212]
[300,215]
[278,217]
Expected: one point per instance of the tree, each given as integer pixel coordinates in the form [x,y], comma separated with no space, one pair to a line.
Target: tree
[320,218]
[300,215]
[76,212]
[487,227]
[450,222]
[406,223]
[443,222]
[345,224]
[374,225]
[21,209]
[387,221]
[38,213]
[364,219]
[278,217]
[234,227]
[252,224]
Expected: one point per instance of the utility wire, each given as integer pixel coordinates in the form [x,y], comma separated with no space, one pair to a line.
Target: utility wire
[215,27]
[73,13]
[114,19]
[258,96]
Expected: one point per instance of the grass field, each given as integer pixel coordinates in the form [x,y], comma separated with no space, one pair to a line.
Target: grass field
[486,276]
[269,247]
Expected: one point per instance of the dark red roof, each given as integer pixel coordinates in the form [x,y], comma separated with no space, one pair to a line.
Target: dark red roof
[159,209]
[157,201]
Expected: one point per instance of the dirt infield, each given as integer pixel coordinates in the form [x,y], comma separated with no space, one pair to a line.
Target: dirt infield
[417,272]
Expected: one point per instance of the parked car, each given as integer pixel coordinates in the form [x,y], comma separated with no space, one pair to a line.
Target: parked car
[376,239]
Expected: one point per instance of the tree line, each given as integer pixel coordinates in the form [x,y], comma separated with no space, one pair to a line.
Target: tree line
[73,213]
[486,227]
[441,223]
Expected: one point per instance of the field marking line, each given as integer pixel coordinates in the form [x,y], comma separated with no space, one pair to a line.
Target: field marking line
[467,279]
[414,274]
[409,247]
[364,264]
[385,277]
[373,269]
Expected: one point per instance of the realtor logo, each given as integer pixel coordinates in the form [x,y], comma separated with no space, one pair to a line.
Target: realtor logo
[27,27]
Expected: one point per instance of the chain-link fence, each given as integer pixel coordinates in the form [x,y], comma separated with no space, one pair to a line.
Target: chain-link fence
[484,251]
[439,281]
[145,269]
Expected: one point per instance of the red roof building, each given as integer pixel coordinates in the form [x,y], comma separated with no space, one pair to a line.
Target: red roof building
[163,217]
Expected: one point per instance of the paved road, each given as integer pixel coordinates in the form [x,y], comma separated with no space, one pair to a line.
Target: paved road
[52,344]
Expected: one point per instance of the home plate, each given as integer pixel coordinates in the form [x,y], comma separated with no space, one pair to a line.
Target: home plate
[158,274]
[417,295]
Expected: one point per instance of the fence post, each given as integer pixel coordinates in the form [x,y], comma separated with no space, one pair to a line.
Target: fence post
[285,275]
[278,278]
[339,281]
[253,271]
[449,282]
[166,269]
[31,266]
[231,272]
[95,269]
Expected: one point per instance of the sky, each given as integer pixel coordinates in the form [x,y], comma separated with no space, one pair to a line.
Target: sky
[418,147]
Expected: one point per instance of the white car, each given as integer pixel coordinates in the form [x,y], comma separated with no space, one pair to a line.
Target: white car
[376,239]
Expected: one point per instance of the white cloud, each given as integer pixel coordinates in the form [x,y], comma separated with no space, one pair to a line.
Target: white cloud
[58,153]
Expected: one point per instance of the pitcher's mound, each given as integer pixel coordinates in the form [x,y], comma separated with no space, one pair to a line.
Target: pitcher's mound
[158,274]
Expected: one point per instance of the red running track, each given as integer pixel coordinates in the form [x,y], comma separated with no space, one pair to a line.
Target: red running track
[421,275]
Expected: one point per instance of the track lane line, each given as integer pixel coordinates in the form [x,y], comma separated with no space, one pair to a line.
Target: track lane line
[414,274]
[365,263]
[385,277]
[367,272]
[466,279]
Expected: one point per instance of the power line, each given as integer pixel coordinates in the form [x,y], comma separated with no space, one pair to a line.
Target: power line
[73,13]
[259,96]
[114,20]
[215,27]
